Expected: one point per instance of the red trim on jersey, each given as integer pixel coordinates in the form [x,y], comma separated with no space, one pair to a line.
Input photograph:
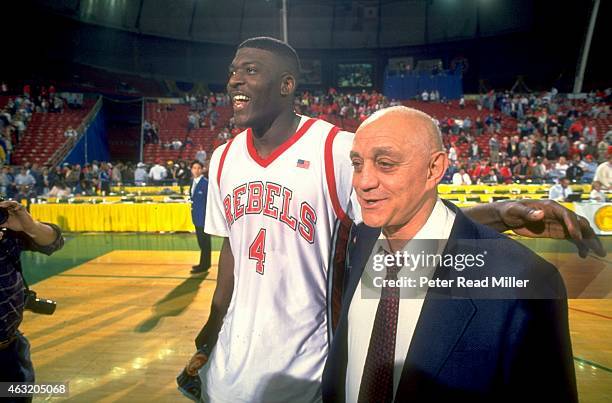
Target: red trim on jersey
[222,161]
[264,162]
[330,175]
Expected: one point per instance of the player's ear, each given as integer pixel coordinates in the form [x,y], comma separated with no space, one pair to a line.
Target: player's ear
[288,84]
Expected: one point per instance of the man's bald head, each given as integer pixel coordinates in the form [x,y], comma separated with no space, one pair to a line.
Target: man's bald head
[420,128]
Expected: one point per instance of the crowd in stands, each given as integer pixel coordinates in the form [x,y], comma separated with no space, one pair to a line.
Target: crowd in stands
[529,138]
[346,107]
[548,138]
[16,113]
[96,178]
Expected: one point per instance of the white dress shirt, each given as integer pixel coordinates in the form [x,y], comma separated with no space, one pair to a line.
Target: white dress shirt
[557,192]
[158,172]
[459,179]
[362,311]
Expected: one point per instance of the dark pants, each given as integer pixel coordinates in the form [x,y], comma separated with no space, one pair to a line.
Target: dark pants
[16,366]
[204,243]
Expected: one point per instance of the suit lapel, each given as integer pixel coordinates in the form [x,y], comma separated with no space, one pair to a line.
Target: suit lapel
[441,323]
[366,238]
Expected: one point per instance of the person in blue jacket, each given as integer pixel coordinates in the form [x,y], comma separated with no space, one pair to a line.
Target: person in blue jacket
[198,192]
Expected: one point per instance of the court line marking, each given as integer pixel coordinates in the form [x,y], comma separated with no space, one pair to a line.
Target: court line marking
[594,364]
[590,313]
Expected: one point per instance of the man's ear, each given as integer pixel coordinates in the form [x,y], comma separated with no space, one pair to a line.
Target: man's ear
[438,164]
[288,84]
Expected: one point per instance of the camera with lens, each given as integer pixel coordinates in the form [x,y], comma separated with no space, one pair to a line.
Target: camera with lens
[38,305]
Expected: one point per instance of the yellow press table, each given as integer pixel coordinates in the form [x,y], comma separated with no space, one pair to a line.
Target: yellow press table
[118,217]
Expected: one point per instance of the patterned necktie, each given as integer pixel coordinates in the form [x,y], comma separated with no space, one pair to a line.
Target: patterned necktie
[377,379]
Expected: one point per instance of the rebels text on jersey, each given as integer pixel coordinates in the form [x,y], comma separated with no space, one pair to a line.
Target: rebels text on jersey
[272,200]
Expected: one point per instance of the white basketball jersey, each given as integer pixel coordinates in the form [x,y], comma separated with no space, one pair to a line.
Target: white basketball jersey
[279,213]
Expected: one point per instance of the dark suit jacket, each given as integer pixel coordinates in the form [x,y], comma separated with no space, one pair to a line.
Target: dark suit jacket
[198,205]
[477,350]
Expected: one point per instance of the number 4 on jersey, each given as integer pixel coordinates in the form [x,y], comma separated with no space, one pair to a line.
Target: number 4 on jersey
[257,251]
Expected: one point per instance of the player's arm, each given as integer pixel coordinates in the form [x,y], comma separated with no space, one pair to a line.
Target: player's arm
[207,338]
[538,219]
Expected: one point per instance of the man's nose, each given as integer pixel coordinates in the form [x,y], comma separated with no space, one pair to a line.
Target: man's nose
[366,179]
[234,80]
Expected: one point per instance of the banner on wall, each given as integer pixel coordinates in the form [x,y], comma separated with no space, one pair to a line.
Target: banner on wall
[598,214]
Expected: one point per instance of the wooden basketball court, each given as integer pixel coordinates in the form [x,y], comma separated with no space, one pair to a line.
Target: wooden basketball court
[126,321]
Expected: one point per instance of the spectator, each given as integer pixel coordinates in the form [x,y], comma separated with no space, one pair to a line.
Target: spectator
[183,175]
[560,191]
[213,118]
[602,150]
[522,171]
[176,144]
[474,151]
[24,180]
[104,178]
[596,193]
[452,154]
[73,177]
[590,132]
[560,168]
[539,172]
[461,178]
[589,166]
[193,121]
[563,147]
[116,174]
[201,154]
[574,172]
[70,132]
[158,173]
[505,172]
[494,149]
[140,174]
[6,182]
[603,174]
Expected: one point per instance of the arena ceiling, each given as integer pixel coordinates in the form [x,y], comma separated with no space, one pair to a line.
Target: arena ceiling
[312,24]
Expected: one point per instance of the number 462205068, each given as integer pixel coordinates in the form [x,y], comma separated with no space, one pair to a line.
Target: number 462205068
[257,251]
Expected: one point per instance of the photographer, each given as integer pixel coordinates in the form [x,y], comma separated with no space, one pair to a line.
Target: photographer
[18,232]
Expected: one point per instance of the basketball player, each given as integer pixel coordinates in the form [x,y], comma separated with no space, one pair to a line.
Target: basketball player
[280,196]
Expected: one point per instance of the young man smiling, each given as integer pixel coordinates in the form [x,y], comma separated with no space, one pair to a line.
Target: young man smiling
[278,195]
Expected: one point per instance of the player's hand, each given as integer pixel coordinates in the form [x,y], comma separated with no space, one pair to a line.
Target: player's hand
[195,363]
[549,219]
[19,219]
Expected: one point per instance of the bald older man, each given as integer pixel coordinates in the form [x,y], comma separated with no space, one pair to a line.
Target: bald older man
[399,342]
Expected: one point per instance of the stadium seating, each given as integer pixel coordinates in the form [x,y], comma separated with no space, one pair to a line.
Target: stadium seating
[173,125]
[45,134]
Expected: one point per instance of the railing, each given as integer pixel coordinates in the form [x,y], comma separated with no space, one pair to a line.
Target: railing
[61,153]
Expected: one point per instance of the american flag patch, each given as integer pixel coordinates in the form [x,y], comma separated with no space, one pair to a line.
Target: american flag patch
[303,164]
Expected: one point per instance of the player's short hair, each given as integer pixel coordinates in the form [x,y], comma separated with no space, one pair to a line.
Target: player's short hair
[196,162]
[279,48]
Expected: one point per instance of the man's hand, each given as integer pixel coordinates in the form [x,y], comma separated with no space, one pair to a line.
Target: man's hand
[548,219]
[19,219]
[195,363]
